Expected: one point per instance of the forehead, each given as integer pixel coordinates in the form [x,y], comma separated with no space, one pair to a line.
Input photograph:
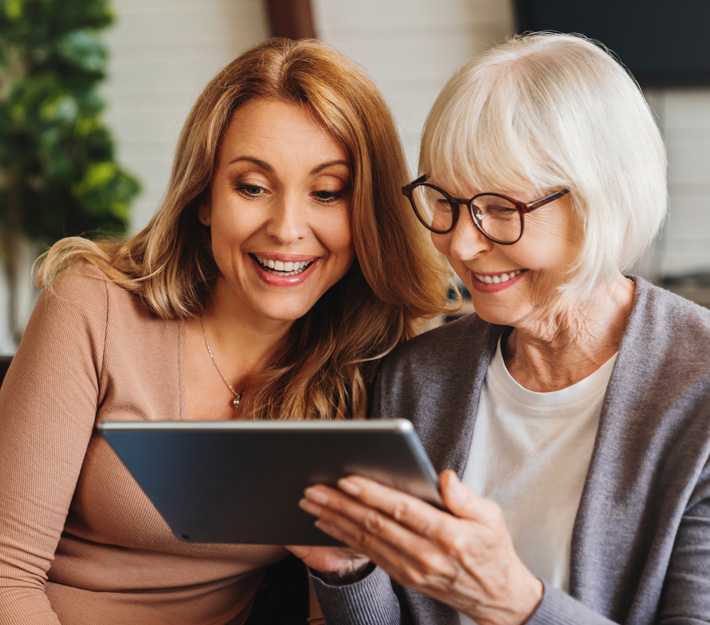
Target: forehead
[463,186]
[280,131]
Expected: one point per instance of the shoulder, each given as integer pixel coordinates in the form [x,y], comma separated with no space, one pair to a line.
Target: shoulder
[88,288]
[664,321]
[78,296]
[453,347]
[83,300]
[77,281]
[664,356]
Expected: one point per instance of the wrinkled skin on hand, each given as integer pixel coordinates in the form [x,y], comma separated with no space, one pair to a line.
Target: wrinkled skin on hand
[463,557]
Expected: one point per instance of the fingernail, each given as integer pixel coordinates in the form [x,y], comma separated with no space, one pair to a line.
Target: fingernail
[322,525]
[315,495]
[310,507]
[350,487]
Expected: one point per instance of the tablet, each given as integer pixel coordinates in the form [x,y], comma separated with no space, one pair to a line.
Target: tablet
[240,481]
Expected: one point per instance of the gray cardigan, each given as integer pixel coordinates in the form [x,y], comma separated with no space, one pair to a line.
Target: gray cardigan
[641,539]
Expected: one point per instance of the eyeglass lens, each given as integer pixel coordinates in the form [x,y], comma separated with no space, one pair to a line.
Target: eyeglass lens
[496,216]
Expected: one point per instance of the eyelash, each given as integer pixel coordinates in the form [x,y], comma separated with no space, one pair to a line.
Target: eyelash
[333,196]
[244,190]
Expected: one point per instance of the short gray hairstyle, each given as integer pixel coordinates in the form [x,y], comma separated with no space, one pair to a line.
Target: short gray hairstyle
[546,111]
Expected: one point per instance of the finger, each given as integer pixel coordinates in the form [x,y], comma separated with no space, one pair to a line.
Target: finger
[410,559]
[332,554]
[336,562]
[391,533]
[299,551]
[316,497]
[464,503]
[352,516]
[407,510]
[370,530]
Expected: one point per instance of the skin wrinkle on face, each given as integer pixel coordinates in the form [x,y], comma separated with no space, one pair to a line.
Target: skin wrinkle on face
[548,248]
[545,319]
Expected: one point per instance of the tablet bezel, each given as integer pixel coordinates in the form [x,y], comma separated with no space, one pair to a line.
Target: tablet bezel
[199,485]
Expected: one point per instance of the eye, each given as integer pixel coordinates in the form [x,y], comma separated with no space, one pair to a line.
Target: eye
[500,210]
[495,207]
[328,197]
[250,190]
[443,206]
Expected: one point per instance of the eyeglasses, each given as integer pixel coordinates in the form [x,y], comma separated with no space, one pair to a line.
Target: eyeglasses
[498,217]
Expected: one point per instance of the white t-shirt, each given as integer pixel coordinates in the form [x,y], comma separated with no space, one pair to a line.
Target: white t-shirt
[530,454]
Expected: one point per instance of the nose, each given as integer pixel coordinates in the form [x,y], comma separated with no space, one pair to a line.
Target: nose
[465,241]
[287,222]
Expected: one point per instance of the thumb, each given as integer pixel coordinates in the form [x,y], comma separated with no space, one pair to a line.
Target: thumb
[459,499]
[299,551]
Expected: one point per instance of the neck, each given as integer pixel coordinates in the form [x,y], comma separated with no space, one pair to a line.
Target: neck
[567,343]
[242,350]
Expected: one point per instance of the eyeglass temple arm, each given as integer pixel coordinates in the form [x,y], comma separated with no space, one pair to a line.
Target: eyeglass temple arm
[546,200]
[420,180]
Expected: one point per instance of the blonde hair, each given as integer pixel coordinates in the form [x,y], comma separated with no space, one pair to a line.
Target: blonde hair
[552,111]
[331,355]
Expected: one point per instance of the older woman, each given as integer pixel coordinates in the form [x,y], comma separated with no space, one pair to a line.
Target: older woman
[574,407]
[264,288]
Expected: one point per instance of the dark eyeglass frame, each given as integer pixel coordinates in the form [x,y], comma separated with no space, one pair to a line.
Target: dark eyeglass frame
[456,202]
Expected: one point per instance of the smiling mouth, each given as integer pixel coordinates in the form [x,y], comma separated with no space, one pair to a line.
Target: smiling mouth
[281,268]
[498,278]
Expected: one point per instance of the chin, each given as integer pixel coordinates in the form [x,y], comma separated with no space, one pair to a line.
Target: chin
[285,313]
[497,315]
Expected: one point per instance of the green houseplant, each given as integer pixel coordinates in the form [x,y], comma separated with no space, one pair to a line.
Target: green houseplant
[58,173]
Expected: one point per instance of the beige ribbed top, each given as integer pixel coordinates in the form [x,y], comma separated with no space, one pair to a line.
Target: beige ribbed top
[80,544]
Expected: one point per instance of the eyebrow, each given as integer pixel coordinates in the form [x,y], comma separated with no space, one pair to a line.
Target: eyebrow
[266,167]
[323,166]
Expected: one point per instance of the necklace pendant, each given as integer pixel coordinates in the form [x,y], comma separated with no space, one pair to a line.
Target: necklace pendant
[237,396]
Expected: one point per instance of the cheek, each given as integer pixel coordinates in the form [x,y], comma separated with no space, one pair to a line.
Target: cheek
[345,256]
[558,233]
[341,252]
[336,236]
[233,227]
[441,242]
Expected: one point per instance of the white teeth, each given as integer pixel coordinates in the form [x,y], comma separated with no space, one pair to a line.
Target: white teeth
[498,278]
[288,268]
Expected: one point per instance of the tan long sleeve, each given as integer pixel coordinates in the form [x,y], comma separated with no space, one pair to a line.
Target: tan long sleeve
[80,544]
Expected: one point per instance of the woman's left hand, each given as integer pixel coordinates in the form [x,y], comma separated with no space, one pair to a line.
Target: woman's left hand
[464,558]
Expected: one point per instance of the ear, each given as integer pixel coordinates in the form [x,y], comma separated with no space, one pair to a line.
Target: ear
[204,214]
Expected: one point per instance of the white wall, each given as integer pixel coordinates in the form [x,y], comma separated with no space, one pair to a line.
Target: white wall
[411,47]
[685,118]
[163,53]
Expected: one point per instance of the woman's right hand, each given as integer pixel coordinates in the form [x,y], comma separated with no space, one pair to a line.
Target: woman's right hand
[463,557]
[335,565]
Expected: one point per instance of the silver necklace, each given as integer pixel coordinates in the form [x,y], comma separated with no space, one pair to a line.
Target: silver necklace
[237,396]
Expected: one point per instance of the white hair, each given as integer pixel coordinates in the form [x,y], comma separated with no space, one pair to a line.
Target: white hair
[547,111]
